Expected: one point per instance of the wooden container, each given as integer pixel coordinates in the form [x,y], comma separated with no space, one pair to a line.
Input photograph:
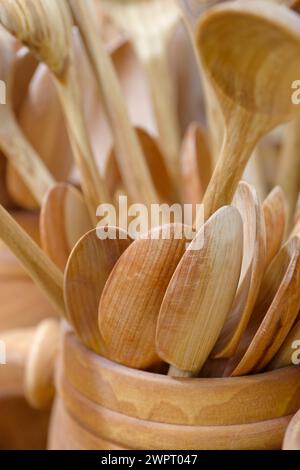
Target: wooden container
[292,436]
[103,405]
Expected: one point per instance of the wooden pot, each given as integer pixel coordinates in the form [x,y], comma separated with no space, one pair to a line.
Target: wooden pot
[104,405]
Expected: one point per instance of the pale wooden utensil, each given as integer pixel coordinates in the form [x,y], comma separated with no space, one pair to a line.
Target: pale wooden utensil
[276,310]
[41,120]
[12,140]
[129,152]
[133,294]
[149,24]
[289,169]
[274,208]
[45,27]
[196,165]
[64,219]
[289,350]
[253,266]
[88,268]
[200,294]
[155,162]
[46,275]
[250,54]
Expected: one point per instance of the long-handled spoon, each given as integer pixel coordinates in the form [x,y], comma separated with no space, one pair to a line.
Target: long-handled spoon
[133,294]
[64,220]
[87,271]
[289,352]
[45,27]
[250,54]
[196,165]
[276,310]
[200,294]
[12,141]
[149,24]
[46,275]
[129,152]
[274,208]
[253,266]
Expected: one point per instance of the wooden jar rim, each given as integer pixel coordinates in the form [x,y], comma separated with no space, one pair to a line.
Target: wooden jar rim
[158,398]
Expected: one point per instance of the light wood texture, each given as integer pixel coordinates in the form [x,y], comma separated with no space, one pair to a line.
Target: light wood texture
[40,363]
[149,25]
[274,208]
[41,115]
[275,313]
[263,34]
[201,293]
[196,165]
[292,435]
[253,266]
[284,357]
[64,220]
[163,399]
[155,162]
[133,294]
[135,433]
[129,152]
[87,271]
[289,169]
[13,143]
[46,275]
[45,27]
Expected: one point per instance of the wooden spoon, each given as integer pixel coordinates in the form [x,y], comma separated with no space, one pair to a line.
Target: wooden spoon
[149,25]
[289,350]
[45,27]
[200,294]
[64,220]
[274,208]
[133,294]
[12,141]
[276,310]
[253,266]
[87,271]
[41,115]
[46,275]
[250,54]
[129,152]
[196,165]
[155,162]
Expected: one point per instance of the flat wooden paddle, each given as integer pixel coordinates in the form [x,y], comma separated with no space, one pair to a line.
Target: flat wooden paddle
[200,294]
[87,270]
[274,208]
[133,294]
[275,313]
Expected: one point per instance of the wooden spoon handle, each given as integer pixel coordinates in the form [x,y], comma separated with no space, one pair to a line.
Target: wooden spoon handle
[40,268]
[25,159]
[129,152]
[93,186]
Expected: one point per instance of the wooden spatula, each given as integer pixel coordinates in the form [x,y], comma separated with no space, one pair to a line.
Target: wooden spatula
[274,208]
[276,310]
[253,266]
[200,294]
[289,352]
[87,271]
[64,220]
[133,294]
